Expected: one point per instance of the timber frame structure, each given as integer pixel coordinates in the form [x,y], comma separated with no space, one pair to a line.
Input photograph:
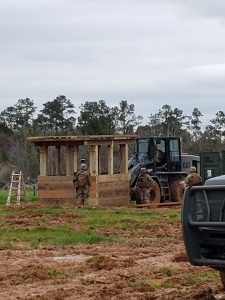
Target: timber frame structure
[106,189]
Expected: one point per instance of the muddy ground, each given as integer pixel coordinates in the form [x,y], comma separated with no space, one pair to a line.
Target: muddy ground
[140,267]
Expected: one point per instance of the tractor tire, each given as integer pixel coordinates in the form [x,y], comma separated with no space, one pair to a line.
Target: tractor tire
[176,190]
[155,194]
[222,277]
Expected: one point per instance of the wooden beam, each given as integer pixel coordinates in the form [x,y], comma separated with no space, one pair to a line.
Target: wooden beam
[155,205]
[75,158]
[110,158]
[124,158]
[67,160]
[71,159]
[43,153]
[99,160]
[57,160]
[94,159]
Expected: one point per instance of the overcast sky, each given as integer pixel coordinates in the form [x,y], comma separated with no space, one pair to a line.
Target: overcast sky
[148,52]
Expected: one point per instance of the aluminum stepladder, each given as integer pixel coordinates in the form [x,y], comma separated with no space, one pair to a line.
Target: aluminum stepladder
[16,189]
[165,187]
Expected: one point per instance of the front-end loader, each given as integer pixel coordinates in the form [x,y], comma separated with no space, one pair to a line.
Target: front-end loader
[161,156]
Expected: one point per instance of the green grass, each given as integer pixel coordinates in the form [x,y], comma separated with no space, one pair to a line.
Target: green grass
[36,238]
[49,210]
[153,283]
[3,197]
[34,226]
[168,271]
[119,218]
[169,283]
[172,216]
[193,279]
[55,274]
[135,282]
[29,196]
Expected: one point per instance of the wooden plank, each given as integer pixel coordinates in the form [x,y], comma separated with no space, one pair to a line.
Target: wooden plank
[55,193]
[110,158]
[124,159]
[92,201]
[85,138]
[109,190]
[113,178]
[55,178]
[163,204]
[58,202]
[55,187]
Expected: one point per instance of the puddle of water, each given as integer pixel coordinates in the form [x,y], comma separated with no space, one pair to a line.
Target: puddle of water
[76,258]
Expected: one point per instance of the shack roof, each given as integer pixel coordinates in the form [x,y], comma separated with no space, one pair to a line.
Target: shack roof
[82,140]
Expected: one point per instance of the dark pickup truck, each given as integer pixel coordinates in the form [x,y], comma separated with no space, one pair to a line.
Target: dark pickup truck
[203,224]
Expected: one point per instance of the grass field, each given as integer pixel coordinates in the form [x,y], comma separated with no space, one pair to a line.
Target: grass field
[31,197]
[96,253]
[32,226]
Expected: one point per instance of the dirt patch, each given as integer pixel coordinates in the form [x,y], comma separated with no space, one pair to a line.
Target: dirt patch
[180,257]
[148,262]
[107,263]
[31,273]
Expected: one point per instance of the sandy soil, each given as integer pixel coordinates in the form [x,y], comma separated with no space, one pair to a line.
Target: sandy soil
[141,268]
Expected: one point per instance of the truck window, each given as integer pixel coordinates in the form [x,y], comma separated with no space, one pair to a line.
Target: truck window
[174,150]
[142,149]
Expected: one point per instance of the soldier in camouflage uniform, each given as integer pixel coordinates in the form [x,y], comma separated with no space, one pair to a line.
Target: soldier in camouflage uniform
[143,185]
[193,179]
[82,185]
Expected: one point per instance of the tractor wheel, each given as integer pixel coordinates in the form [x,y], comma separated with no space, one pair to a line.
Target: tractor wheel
[176,190]
[154,194]
[222,277]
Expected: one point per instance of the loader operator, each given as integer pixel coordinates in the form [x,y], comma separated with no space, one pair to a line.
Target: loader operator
[82,184]
[194,179]
[143,185]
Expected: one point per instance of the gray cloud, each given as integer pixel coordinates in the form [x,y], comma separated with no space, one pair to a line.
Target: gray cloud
[147,52]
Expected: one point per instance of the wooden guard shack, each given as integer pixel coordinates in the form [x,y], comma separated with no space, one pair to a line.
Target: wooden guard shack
[106,189]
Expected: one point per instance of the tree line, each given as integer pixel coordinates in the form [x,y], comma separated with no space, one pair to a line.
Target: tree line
[59,117]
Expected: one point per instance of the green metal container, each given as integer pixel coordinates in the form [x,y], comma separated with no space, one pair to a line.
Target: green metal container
[212,164]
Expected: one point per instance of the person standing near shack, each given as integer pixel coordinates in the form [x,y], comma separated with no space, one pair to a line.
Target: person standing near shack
[143,185]
[82,184]
[193,179]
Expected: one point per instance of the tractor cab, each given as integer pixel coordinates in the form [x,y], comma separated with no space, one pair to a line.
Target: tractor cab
[162,154]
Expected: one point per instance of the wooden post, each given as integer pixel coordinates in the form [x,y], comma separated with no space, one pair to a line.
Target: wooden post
[43,150]
[67,160]
[71,155]
[57,160]
[124,158]
[94,159]
[99,161]
[110,158]
[75,158]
